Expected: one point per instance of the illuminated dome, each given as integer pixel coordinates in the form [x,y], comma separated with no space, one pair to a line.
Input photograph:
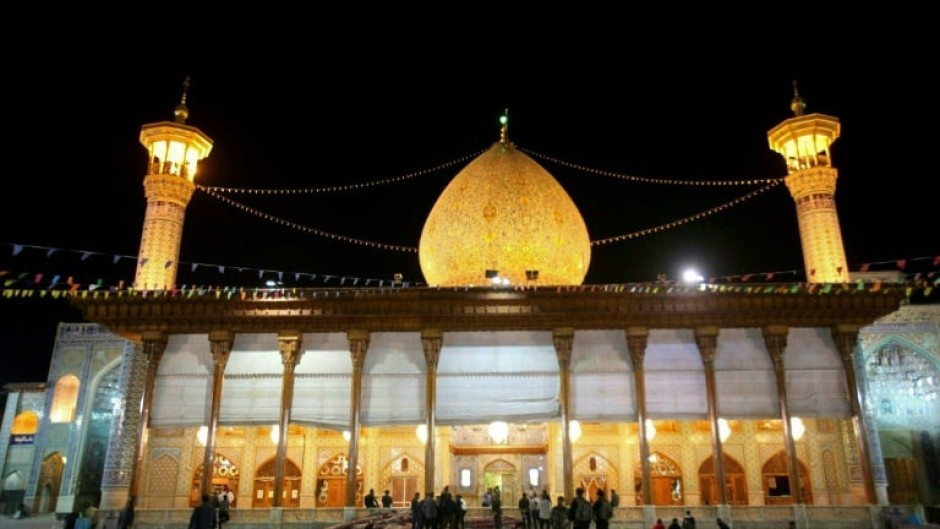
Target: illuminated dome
[505,214]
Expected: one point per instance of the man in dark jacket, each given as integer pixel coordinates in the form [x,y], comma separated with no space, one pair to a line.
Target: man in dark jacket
[126,518]
[203,516]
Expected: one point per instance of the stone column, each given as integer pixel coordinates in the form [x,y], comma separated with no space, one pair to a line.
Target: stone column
[431,341]
[119,462]
[221,344]
[563,339]
[358,346]
[289,343]
[707,340]
[846,339]
[154,344]
[775,338]
[637,338]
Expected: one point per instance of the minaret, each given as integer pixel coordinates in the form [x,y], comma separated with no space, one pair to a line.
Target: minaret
[174,150]
[804,141]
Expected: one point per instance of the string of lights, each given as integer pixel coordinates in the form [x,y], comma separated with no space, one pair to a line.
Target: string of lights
[348,187]
[410,249]
[686,220]
[647,180]
[306,229]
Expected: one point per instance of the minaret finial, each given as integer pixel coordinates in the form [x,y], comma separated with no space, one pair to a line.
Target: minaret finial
[504,127]
[181,112]
[798,105]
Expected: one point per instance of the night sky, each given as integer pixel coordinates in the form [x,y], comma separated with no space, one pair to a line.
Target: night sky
[320,115]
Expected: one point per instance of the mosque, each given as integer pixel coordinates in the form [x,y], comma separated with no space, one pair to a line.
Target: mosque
[813,402]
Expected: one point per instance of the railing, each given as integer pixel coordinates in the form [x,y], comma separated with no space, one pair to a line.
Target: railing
[739,517]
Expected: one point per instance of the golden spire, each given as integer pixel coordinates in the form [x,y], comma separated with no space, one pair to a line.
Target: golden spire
[181,112]
[504,127]
[798,105]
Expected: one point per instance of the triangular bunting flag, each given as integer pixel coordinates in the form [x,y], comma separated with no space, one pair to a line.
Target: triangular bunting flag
[901,263]
[51,251]
[864,267]
[85,255]
[167,264]
[192,267]
[17,248]
[115,259]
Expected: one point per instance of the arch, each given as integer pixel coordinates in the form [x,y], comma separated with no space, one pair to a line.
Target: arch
[503,474]
[331,482]
[49,482]
[64,399]
[594,472]
[98,410]
[12,491]
[26,423]
[666,480]
[401,476]
[224,472]
[263,493]
[775,480]
[735,481]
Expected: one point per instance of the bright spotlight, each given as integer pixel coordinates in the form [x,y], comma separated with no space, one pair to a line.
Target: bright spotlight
[691,276]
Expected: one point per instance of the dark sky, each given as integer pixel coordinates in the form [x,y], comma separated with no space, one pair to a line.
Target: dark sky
[321,114]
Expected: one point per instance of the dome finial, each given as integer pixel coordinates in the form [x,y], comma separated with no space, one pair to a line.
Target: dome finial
[181,112]
[504,127]
[798,105]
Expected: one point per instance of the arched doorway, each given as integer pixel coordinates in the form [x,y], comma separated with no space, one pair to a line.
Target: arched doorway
[224,472]
[331,482]
[594,472]
[502,474]
[776,481]
[400,476]
[97,439]
[263,493]
[14,488]
[735,482]
[50,479]
[666,481]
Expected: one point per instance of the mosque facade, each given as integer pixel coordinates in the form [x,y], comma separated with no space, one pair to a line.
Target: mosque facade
[812,402]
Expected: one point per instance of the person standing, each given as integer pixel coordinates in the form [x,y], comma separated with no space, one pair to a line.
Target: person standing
[688,522]
[487,498]
[203,516]
[497,505]
[126,518]
[560,514]
[370,502]
[580,511]
[614,499]
[545,510]
[416,514]
[429,508]
[603,512]
[447,510]
[461,510]
[223,508]
[535,507]
[524,509]
[386,501]
[721,524]
[659,524]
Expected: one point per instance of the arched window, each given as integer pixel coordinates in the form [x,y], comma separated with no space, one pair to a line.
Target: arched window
[65,399]
[26,423]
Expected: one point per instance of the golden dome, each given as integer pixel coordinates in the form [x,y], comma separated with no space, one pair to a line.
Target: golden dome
[504,212]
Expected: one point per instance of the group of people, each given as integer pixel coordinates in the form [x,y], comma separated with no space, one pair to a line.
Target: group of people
[213,511]
[443,512]
[373,504]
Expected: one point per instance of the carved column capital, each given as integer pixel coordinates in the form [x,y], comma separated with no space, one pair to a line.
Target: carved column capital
[154,343]
[563,339]
[637,338]
[775,338]
[846,339]
[358,346]
[432,340]
[221,345]
[289,344]
[706,338]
